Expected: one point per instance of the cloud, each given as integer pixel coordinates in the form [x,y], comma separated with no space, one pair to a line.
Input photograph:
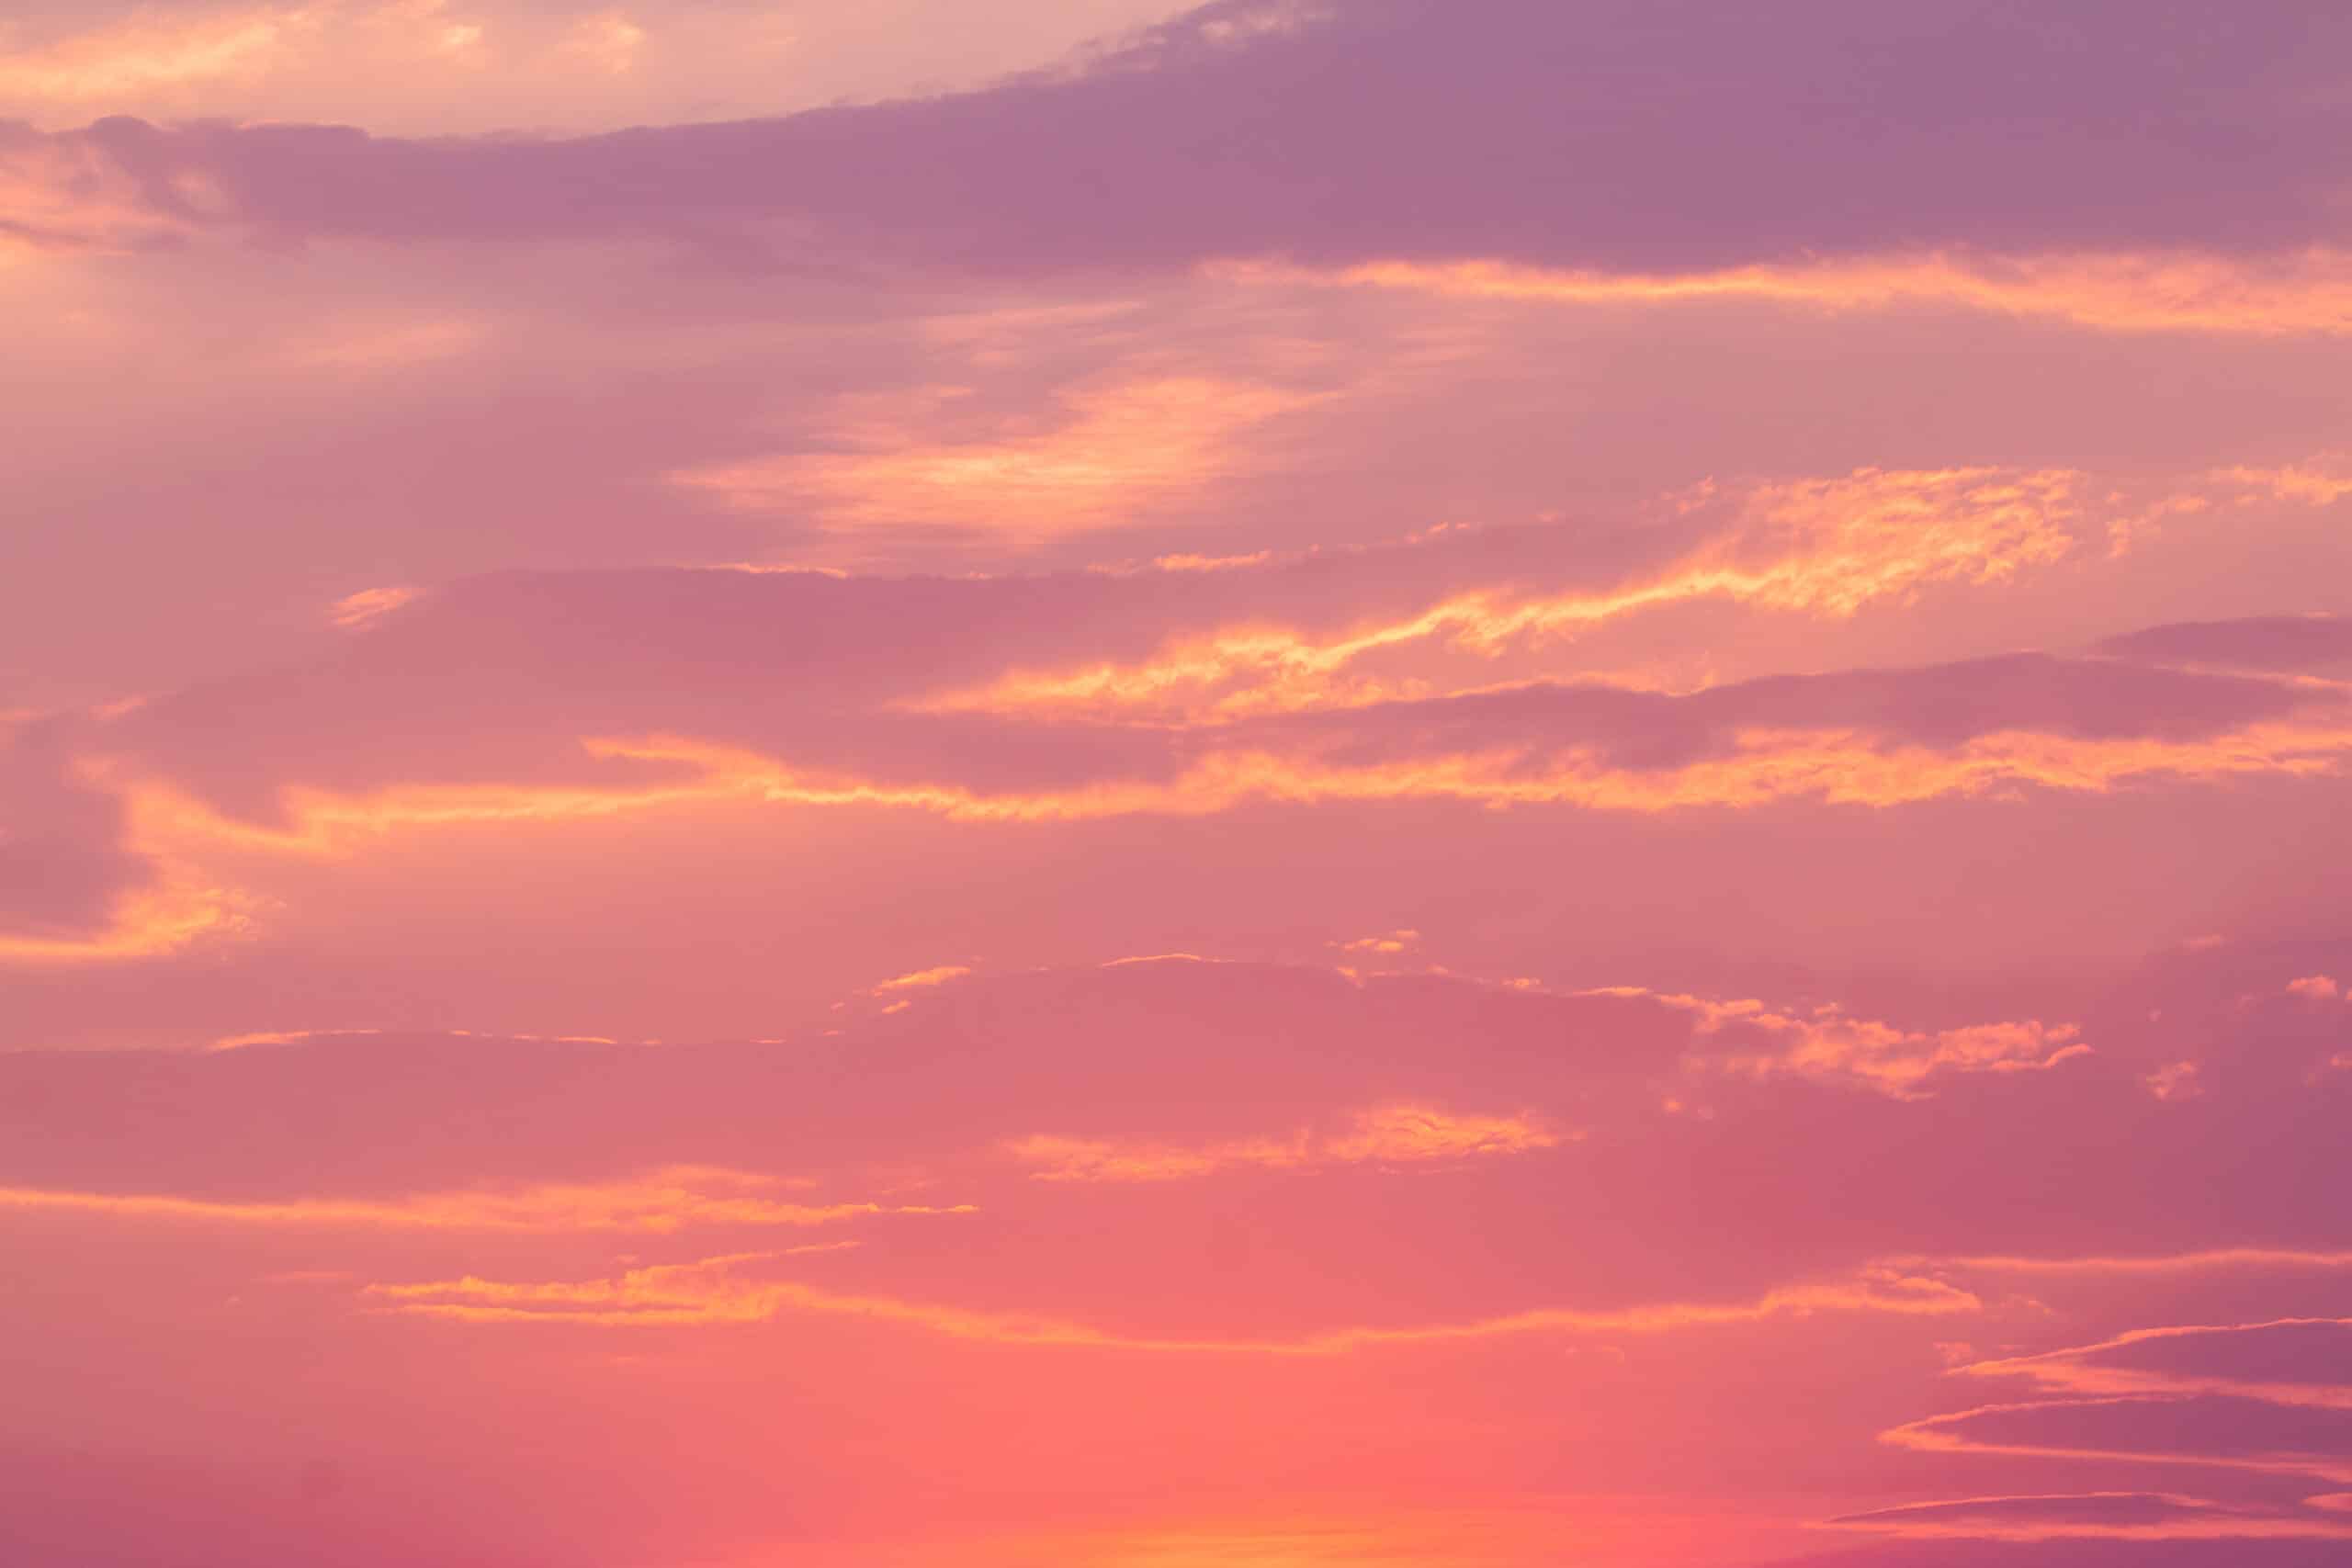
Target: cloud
[2282,644]
[924,978]
[2106,1515]
[2211,1431]
[1345,763]
[2321,482]
[2267,1398]
[1664,144]
[2301,1361]
[150,922]
[1393,942]
[607,40]
[1648,495]
[1394,1134]
[1172,1088]
[712,1290]
[575,65]
[541,700]
[69,194]
[1828,1044]
[1119,449]
[356,610]
[2214,1260]
[105,67]
[2185,290]
[2078,1553]
[658,1203]
[1842,740]
[1826,546]
[77,885]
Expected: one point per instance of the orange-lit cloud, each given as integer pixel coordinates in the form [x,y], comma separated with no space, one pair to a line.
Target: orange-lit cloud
[1827,1042]
[276,1037]
[181,908]
[126,60]
[2321,481]
[355,609]
[1836,767]
[713,1291]
[660,1202]
[1946,1434]
[388,64]
[923,979]
[1121,449]
[1824,547]
[154,63]
[1182,562]
[608,40]
[1391,942]
[59,195]
[2208,1260]
[2309,293]
[1897,1060]
[2262,1385]
[1395,1134]
[2090,1370]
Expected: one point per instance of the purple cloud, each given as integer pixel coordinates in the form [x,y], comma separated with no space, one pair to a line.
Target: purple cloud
[1619,135]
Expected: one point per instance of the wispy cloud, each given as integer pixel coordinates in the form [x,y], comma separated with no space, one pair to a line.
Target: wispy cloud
[2181,292]
[713,1291]
[924,979]
[1827,1042]
[355,609]
[1395,1134]
[1826,546]
[658,1203]
[2095,1515]
[2199,1359]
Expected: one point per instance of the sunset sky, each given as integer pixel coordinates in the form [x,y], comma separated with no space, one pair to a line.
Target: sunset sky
[1298,783]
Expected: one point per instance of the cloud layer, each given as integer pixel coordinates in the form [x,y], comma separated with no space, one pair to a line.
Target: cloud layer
[1289,782]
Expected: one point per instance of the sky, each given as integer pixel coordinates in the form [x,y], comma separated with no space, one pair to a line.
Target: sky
[1301,784]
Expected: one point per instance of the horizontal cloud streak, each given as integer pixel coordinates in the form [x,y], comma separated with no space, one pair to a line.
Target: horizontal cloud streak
[707,1292]
[657,1204]
[2309,293]
[1397,1134]
[2099,1516]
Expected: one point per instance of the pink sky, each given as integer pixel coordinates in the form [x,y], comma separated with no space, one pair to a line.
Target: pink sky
[1304,783]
